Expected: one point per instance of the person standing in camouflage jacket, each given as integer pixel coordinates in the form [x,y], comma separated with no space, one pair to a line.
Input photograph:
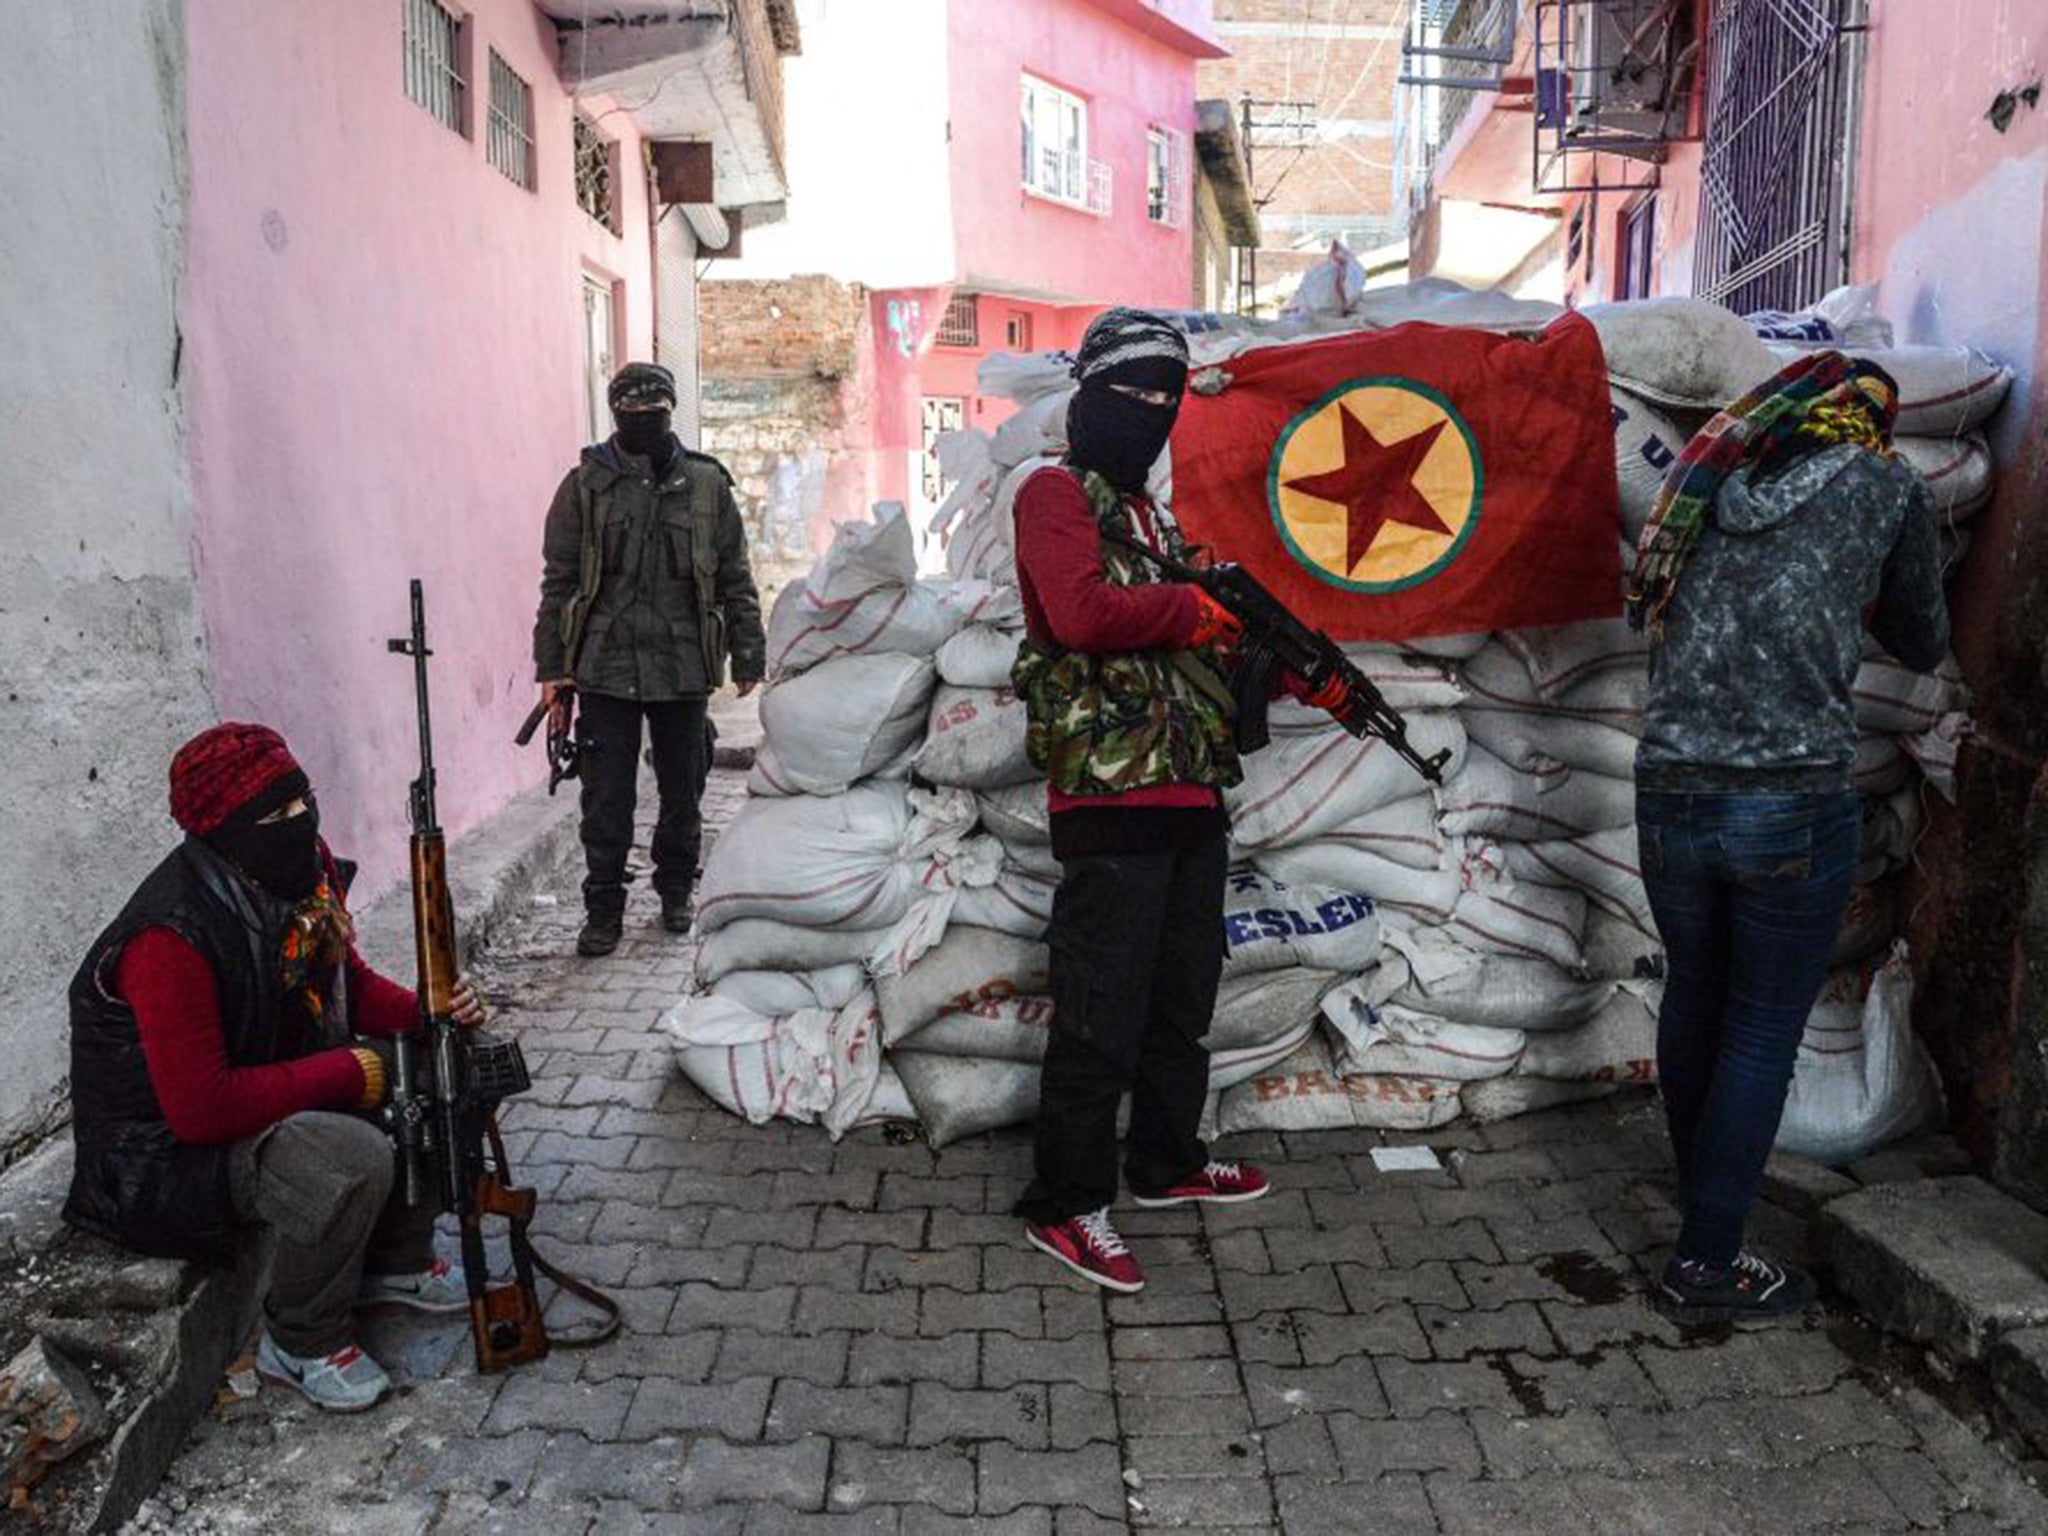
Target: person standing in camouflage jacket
[1783,528]
[1130,719]
[645,595]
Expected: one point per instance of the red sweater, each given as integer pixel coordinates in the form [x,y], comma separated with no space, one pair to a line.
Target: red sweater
[1068,601]
[205,1098]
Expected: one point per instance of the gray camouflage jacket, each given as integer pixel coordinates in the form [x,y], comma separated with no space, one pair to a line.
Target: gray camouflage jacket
[1750,688]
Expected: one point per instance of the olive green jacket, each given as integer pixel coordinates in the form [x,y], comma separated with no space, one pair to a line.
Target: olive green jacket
[645,590]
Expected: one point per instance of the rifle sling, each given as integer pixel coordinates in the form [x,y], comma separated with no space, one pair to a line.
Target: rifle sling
[582,1290]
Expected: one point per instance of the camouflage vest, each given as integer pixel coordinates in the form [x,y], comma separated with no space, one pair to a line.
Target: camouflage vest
[1104,724]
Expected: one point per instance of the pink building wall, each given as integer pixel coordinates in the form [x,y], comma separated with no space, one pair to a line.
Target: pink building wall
[1005,236]
[383,358]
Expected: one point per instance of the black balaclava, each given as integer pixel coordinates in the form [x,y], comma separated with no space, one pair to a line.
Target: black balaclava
[283,856]
[1110,432]
[643,397]
[646,433]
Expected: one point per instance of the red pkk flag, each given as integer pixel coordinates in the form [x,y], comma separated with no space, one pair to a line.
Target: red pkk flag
[1422,480]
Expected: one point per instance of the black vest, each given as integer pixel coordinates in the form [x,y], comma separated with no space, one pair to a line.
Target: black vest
[135,1183]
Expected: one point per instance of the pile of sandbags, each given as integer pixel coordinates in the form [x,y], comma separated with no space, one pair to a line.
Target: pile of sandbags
[1397,954]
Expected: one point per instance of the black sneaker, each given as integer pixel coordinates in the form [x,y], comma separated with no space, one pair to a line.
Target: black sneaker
[1750,1287]
[600,935]
[677,915]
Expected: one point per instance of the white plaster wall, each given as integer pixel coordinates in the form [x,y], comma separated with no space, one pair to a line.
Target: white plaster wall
[870,183]
[101,671]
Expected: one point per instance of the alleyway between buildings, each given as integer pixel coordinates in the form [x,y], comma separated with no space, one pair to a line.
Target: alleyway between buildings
[853,1338]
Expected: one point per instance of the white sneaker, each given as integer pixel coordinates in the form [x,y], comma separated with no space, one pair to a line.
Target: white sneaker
[347,1381]
[441,1287]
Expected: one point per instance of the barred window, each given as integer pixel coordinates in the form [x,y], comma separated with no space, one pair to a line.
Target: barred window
[433,61]
[1017,333]
[510,144]
[594,173]
[961,326]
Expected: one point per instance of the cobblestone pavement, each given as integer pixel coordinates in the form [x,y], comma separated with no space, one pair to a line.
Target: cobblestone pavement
[853,1338]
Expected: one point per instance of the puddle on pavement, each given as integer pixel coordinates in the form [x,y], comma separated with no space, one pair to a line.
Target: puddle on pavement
[1585,1278]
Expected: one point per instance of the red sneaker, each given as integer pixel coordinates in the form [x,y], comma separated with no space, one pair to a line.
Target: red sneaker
[1217,1184]
[1089,1246]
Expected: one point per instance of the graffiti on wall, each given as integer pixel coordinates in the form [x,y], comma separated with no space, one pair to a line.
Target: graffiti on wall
[905,322]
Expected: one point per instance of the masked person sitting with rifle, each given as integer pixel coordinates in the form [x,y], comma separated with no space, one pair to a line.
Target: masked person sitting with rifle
[228,1047]
[644,594]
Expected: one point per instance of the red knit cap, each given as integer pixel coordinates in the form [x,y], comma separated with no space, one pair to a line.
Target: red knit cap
[221,770]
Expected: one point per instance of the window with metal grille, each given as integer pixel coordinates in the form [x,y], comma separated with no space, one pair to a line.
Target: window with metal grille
[1783,93]
[1638,249]
[1166,177]
[433,61]
[510,142]
[594,173]
[1017,332]
[961,326]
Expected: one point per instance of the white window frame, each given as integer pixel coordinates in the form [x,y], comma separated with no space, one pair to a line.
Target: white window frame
[600,352]
[1061,174]
[510,143]
[435,42]
[1166,176]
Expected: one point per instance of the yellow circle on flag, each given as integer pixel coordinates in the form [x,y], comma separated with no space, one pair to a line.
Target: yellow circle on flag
[1375,487]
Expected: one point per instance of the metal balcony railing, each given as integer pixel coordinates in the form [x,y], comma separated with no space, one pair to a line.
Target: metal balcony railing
[1615,78]
[1455,50]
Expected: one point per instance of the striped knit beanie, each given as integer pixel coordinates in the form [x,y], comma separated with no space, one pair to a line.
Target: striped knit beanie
[1131,346]
[230,768]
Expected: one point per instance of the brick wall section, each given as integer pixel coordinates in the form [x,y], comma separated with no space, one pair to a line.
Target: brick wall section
[794,328]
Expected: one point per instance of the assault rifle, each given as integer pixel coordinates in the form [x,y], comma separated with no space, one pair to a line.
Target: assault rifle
[443,1112]
[1275,638]
[562,749]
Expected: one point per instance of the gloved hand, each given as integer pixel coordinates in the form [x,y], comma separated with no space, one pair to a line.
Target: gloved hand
[380,1071]
[1332,696]
[1214,623]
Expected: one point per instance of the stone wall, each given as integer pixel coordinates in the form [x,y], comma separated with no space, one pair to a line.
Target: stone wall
[103,672]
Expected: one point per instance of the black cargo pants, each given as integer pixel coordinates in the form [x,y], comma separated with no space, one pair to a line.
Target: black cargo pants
[608,740]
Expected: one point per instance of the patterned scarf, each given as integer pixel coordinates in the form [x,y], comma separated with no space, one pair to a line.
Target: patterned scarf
[1820,401]
[316,941]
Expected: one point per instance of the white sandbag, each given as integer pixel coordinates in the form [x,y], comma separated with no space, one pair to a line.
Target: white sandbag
[1868,923]
[1450,981]
[842,721]
[1497,679]
[1018,814]
[1891,826]
[980,656]
[1681,351]
[1306,1093]
[1845,317]
[1259,1007]
[1448,647]
[958,1096]
[975,740]
[1603,866]
[862,598]
[1503,1098]
[1560,656]
[1500,916]
[1268,924]
[811,1065]
[1891,698]
[1397,890]
[1301,786]
[1619,949]
[1024,376]
[888,1103]
[1943,391]
[1403,832]
[1037,430]
[1389,1040]
[1405,682]
[1617,1045]
[1862,1077]
[815,861]
[1488,798]
[764,944]
[1646,444]
[1957,470]
[775,993]
[1935,752]
[969,967]
[1236,1064]
[1330,287]
[1534,743]
[1005,1029]
[1018,901]
[1881,766]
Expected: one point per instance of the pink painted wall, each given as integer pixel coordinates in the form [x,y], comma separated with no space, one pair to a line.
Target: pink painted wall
[1003,236]
[383,356]
[951,371]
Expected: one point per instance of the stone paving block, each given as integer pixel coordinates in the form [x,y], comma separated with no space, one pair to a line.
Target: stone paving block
[1164,1311]
[940,1477]
[1396,1506]
[661,1264]
[820,1309]
[1274,1339]
[708,1306]
[1169,1343]
[954,1362]
[1634,1233]
[665,1406]
[1090,1478]
[1585,1326]
[595,1409]
[943,1311]
[819,1358]
[1947,1262]
[1176,1501]
[1072,1311]
[894,1269]
[641,1188]
[1209,1456]
[1007,1360]
[839,1268]
[1456,1334]
[1524,1239]
[1307,1290]
[1599,1380]
[795,1228]
[773,1520]
[687,1357]
[492,1466]
[1368,1449]
[1080,1416]
[573,1468]
[1282,1209]
[1019,1416]
[884,1229]
[622,1221]
[1298,1248]
[904,1191]
[1367,1288]
[1279,1392]
[1178,1378]
[2019,1376]
[1912,1483]
[1227,1416]
[1802,1185]
[1834,1490]
[1407,1247]
[793,1474]
[947,1228]
[1772,1362]
[878,1415]
[1300,1446]
[1390,1330]
[1414,1389]
[1513,1445]
[922,1520]
[854,1189]
[722,1190]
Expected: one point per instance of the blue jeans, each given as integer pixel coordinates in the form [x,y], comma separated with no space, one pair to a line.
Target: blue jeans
[1748,891]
